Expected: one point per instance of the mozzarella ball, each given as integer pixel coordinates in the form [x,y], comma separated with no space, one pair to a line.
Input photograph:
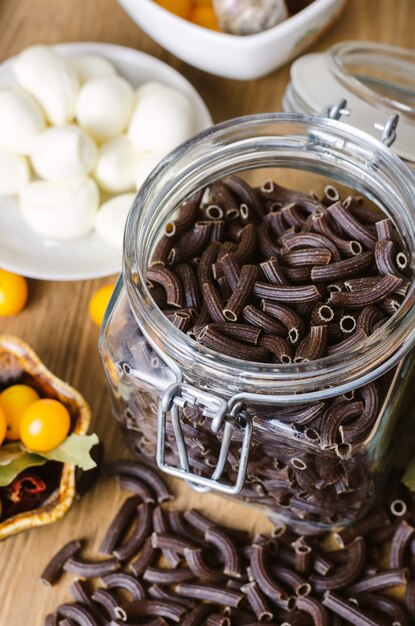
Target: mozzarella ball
[148,87]
[92,66]
[146,165]
[117,164]
[64,152]
[14,172]
[104,107]
[50,79]
[60,210]
[21,121]
[111,219]
[162,119]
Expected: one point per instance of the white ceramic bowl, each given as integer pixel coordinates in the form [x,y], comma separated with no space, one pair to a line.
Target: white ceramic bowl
[22,250]
[234,56]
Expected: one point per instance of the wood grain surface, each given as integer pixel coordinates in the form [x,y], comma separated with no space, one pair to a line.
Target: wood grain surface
[56,322]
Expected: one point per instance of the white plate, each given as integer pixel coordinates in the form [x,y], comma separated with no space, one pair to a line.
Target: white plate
[23,251]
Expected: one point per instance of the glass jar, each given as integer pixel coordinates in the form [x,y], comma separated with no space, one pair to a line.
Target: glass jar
[242,428]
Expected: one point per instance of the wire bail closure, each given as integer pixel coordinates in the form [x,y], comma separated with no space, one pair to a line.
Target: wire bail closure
[337,110]
[388,129]
[226,418]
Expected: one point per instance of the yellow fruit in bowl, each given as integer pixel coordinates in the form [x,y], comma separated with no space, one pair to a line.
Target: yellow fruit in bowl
[181,8]
[3,426]
[14,401]
[204,15]
[45,425]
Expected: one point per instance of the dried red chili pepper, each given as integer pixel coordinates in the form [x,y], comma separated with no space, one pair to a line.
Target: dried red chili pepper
[24,493]
[27,487]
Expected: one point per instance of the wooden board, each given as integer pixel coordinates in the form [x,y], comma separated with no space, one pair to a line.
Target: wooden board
[56,323]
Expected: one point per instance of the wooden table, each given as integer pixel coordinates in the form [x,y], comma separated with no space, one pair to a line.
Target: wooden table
[56,322]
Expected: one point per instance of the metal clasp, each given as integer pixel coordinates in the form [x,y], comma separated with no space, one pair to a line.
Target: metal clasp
[388,135]
[339,109]
[229,416]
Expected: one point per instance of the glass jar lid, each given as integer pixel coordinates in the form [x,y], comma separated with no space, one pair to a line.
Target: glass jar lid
[376,81]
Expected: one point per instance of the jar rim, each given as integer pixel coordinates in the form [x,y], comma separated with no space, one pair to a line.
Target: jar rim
[364,362]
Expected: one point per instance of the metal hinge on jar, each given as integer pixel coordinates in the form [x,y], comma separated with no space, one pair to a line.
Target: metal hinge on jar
[339,109]
[226,418]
